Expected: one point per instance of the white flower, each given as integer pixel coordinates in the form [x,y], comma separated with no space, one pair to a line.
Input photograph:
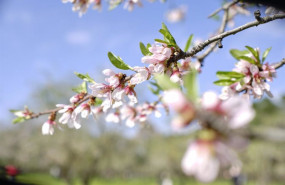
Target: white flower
[100,89]
[142,75]
[68,116]
[201,162]
[113,117]
[160,54]
[204,158]
[47,128]
[114,79]
[176,100]
[176,14]
[238,111]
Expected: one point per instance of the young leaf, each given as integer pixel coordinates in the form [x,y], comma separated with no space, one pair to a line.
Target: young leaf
[98,101]
[161,41]
[229,75]
[224,82]
[188,43]
[250,60]
[167,35]
[148,45]
[82,88]
[191,85]
[264,55]
[155,92]
[118,62]
[164,82]
[144,50]
[19,120]
[85,77]
[238,53]
[254,53]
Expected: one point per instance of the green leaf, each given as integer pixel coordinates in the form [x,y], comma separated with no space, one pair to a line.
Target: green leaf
[85,77]
[82,88]
[19,120]
[191,85]
[114,4]
[224,82]
[254,53]
[264,55]
[144,50]
[229,75]
[14,111]
[250,60]
[238,53]
[98,101]
[167,35]
[164,82]
[148,45]
[155,92]
[118,62]
[161,41]
[188,43]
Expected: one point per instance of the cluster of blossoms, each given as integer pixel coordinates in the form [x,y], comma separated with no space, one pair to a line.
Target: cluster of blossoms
[70,113]
[206,155]
[82,6]
[158,63]
[254,81]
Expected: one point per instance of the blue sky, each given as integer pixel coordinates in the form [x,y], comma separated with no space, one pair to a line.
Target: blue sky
[40,40]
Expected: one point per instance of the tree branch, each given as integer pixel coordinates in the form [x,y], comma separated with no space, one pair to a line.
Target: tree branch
[279,64]
[202,45]
[36,115]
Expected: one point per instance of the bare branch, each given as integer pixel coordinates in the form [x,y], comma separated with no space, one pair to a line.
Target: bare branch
[279,64]
[202,45]
[223,7]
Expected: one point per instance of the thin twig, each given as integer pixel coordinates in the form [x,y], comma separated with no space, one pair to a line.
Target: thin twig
[36,115]
[221,30]
[279,64]
[223,7]
[202,45]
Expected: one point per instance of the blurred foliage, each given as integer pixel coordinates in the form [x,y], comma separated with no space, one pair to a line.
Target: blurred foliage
[104,155]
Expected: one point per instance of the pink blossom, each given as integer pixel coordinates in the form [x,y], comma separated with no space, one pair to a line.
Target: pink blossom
[142,74]
[130,4]
[47,128]
[200,161]
[113,79]
[268,72]
[204,158]
[176,14]
[130,114]
[100,89]
[68,116]
[84,109]
[160,54]
[228,92]
[113,117]
[76,98]
[236,111]
[176,100]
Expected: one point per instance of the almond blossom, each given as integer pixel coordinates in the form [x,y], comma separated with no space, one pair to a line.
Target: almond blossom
[255,78]
[236,111]
[131,3]
[160,54]
[68,116]
[176,100]
[204,158]
[142,74]
[76,98]
[47,128]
